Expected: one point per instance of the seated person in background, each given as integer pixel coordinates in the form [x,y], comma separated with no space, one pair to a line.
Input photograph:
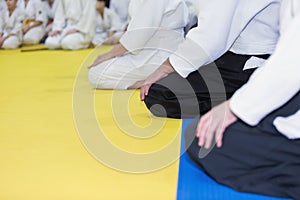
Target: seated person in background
[21,4]
[35,22]
[50,7]
[107,23]
[11,23]
[257,132]
[150,38]
[73,26]
[120,7]
[216,59]
[2,6]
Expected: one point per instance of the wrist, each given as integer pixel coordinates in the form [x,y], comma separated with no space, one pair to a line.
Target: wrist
[167,66]
[230,110]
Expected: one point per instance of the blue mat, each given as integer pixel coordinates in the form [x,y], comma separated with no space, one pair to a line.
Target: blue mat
[194,184]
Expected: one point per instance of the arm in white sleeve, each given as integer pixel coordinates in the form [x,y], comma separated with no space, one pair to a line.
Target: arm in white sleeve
[273,85]
[144,23]
[115,22]
[41,13]
[209,40]
[1,24]
[60,17]
[86,24]
[18,23]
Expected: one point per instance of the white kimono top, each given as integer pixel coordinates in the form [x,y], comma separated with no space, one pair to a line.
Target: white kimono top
[120,7]
[277,81]
[109,22]
[50,10]
[248,27]
[155,24]
[78,14]
[12,24]
[2,5]
[35,10]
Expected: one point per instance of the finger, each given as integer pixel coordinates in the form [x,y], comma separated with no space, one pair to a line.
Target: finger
[210,136]
[199,128]
[91,66]
[202,132]
[219,143]
[147,88]
[142,95]
[219,136]
[202,121]
[144,91]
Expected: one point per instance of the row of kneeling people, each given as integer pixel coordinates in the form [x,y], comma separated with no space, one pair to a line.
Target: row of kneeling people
[238,69]
[67,24]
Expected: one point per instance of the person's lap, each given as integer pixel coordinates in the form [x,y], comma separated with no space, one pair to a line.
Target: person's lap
[124,71]
[210,85]
[253,159]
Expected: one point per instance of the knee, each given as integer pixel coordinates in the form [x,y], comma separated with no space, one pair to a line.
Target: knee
[101,77]
[157,102]
[69,46]
[52,43]
[68,43]
[30,40]
[11,44]
[94,77]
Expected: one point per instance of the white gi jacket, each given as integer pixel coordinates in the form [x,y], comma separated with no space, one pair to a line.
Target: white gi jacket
[12,24]
[2,5]
[143,32]
[77,14]
[35,10]
[241,26]
[120,7]
[51,10]
[109,22]
[277,81]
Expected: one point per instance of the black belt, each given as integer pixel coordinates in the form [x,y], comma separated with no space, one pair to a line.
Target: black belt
[263,56]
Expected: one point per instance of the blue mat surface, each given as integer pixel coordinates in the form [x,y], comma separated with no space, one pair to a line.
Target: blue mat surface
[194,184]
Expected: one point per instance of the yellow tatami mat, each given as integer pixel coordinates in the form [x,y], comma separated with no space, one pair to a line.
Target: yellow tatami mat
[52,131]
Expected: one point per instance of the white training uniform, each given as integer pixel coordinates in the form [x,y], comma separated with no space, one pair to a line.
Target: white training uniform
[150,39]
[108,23]
[21,4]
[50,13]
[120,7]
[12,25]
[244,28]
[273,85]
[73,14]
[2,5]
[35,11]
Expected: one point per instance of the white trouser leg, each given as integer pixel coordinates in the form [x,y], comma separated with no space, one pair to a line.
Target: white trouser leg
[12,42]
[34,35]
[74,41]
[53,42]
[122,72]
[99,38]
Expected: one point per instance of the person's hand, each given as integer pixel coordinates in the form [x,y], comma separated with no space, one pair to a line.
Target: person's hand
[26,29]
[213,125]
[2,39]
[72,31]
[55,33]
[100,59]
[164,70]
[110,41]
[49,31]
